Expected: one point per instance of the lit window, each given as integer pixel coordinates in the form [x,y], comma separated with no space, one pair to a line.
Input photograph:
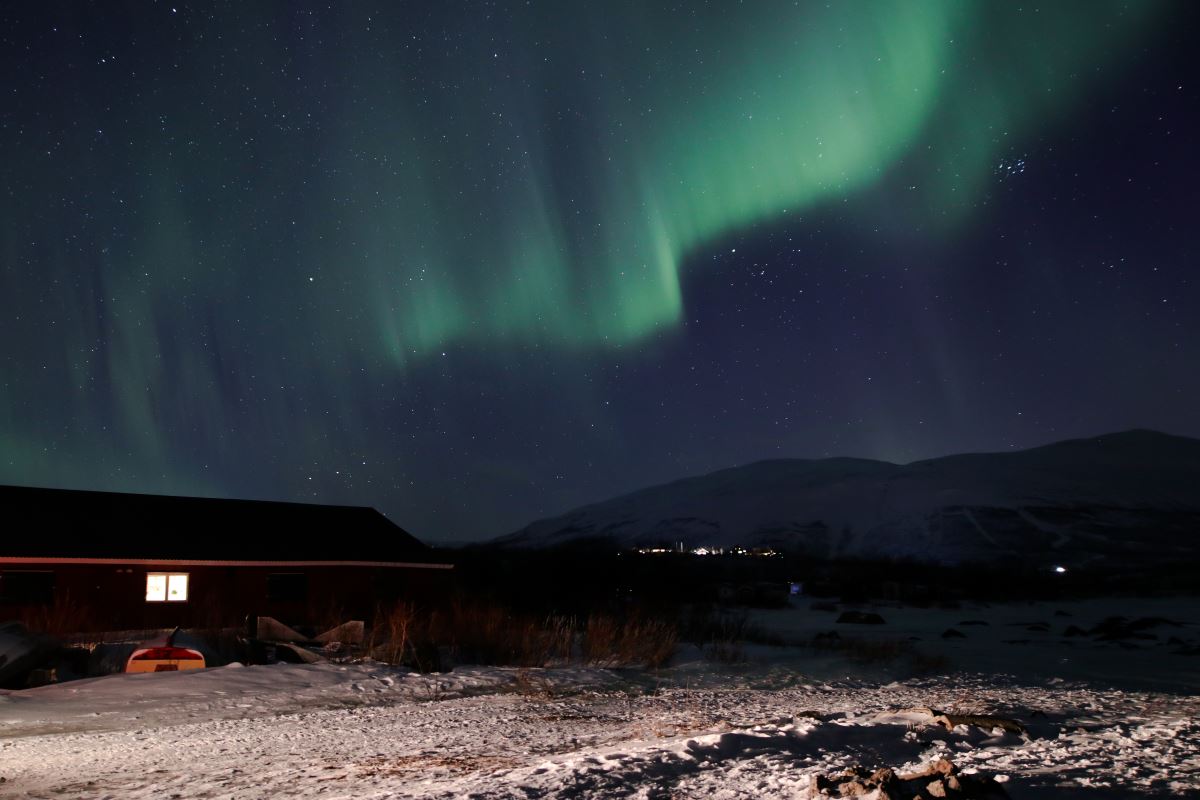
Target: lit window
[171,588]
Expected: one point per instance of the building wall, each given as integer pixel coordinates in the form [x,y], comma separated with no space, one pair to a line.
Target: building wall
[88,597]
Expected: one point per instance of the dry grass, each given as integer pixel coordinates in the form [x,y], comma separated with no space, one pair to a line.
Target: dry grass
[608,642]
[722,633]
[389,637]
[476,633]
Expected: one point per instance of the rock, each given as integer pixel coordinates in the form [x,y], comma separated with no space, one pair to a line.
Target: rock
[938,779]
[951,633]
[21,652]
[294,654]
[347,633]
[986,722]
[1117,629]
[860,618]
[1074,630]
[883,775]
[109,658]
[42,676]
[974,622]
[270,629]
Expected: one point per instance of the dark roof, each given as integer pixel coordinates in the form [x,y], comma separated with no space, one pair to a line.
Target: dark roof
[62,523]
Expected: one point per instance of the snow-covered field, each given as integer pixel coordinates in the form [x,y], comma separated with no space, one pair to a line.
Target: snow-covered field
[758,730]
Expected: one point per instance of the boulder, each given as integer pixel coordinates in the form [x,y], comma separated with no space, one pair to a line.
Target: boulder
[347,633]
[827,638]
[269,629]
[21,652]
[290,653]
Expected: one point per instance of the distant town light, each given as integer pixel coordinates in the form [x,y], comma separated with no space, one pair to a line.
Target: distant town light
[710,550]
[1060,570]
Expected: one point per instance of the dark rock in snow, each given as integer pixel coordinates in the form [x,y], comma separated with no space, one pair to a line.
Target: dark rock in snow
[294,654]
[42,676]
[1116,629]
[939,779]
[109,658]
[951,633]
[974,622]
[860,618]
[270,629]
[21,652]
[351,632]
[1074,630]
[827,638]
[985,722]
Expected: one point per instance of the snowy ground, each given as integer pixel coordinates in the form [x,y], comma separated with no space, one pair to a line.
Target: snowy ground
[761,730]
[1025,639]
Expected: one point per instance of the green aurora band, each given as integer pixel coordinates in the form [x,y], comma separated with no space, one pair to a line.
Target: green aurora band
[533,182]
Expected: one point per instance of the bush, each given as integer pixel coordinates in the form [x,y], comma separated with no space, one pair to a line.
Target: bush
[478,633]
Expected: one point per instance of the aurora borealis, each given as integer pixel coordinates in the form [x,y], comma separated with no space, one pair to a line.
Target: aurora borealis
[475,263]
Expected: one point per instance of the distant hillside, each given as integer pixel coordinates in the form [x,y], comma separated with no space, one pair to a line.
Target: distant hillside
[1132,495]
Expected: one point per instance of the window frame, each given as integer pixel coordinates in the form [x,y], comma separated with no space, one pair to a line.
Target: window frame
[166,587]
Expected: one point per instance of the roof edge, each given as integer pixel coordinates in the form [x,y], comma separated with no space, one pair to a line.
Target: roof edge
[200,562]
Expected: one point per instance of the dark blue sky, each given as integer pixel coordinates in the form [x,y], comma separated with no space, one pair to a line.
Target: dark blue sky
[475,264]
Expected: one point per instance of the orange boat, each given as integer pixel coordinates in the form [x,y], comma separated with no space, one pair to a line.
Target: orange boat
[163,655]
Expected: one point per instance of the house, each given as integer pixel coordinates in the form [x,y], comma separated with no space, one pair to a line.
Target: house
[105,561]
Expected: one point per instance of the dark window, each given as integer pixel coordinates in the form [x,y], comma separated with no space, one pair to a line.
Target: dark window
[287,587]
[27,587]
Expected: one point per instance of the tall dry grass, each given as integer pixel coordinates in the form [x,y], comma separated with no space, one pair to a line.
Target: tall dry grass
[479,633]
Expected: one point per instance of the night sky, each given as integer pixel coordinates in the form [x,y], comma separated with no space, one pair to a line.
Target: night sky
[478,263]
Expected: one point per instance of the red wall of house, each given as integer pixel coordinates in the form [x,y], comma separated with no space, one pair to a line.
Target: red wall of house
[112,597]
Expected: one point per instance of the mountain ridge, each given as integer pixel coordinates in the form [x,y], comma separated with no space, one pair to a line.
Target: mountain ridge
[1078,499]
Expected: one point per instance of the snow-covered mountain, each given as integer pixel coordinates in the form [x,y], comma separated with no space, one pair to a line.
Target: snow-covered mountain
[1107,497]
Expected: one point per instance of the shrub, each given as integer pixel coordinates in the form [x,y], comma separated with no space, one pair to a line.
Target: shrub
[478,633]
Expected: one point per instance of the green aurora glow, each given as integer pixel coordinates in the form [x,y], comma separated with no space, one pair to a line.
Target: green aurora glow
[539,181]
